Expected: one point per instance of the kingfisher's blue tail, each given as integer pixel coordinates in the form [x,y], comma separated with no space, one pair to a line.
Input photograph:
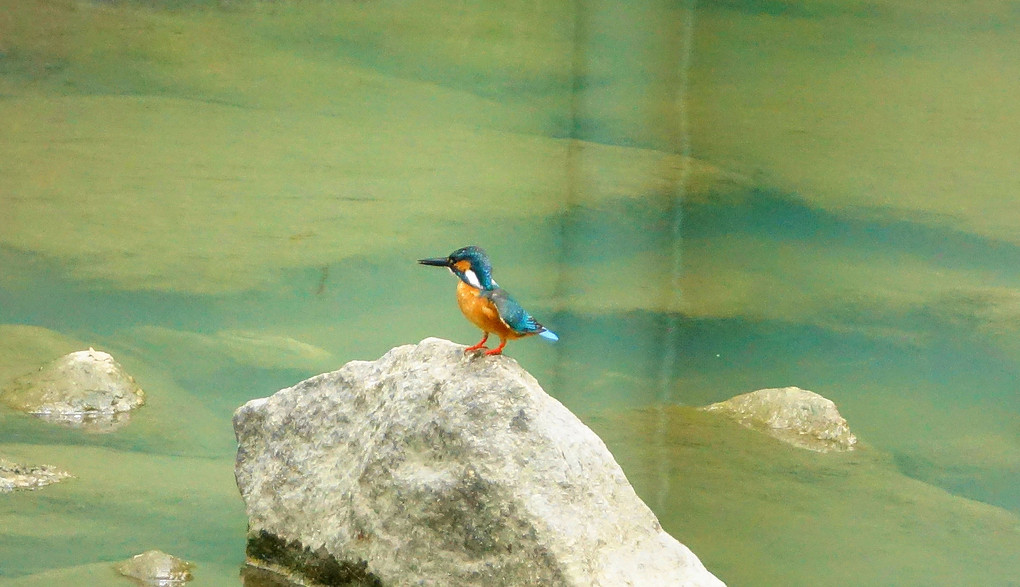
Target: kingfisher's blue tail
[549,335]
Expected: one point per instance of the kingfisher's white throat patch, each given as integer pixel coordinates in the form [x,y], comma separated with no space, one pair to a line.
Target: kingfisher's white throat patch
[471,278]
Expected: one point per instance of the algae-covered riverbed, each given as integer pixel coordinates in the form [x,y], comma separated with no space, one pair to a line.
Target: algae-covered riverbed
[701,199]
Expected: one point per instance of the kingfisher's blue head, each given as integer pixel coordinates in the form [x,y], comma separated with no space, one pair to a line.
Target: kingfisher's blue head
[470,264]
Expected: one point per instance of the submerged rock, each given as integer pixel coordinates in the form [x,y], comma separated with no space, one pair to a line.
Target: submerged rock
[156,568]
[431,467]
[16,476]
[794,415]
[764,514]
[86,389]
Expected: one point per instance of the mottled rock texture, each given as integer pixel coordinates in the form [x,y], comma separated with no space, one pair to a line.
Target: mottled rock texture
[794,415]
[17,476]
[432,467]
[88,389]
[156,568]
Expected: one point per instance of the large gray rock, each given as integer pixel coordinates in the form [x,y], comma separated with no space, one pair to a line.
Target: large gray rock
[87,389]
[429,467]
[794,415]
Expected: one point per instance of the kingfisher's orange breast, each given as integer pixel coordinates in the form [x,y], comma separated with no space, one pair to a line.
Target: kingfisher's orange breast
[482,312]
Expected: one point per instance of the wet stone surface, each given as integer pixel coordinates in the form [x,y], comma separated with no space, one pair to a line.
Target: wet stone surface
[793,415]
[15,476]
[155,567]
[85,389]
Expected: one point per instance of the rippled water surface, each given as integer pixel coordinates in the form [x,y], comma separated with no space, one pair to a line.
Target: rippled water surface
[700,198]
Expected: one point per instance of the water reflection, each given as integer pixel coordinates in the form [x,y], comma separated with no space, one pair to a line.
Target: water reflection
[231,197]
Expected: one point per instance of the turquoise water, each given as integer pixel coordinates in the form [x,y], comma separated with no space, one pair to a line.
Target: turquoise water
[701,199]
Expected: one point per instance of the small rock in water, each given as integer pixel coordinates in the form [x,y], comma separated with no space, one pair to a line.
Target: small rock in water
[84,389]
[793,415]
[156,568]
[15,476]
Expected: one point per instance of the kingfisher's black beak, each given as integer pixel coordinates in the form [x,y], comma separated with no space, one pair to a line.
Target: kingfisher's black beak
[444,262]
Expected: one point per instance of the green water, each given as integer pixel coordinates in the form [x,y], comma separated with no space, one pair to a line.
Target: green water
[701,199]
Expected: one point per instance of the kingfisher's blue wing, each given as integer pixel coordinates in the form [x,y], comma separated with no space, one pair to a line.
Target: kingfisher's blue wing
[515,316]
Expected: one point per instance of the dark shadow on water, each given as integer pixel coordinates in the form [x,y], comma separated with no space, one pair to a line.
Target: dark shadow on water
[635,225]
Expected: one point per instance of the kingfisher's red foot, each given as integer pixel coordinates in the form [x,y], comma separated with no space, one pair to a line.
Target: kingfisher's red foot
[498,350]
[480,345]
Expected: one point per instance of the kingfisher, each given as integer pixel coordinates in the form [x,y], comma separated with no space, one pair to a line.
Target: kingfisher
[484,303]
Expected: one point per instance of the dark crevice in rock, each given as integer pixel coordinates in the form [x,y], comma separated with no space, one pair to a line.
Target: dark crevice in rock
[318,566]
